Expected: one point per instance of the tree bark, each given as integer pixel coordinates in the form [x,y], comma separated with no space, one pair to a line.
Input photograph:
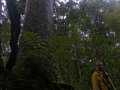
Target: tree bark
[38,17]
[14,17]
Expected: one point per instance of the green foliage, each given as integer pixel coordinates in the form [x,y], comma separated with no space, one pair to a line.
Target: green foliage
[5,36]
[21,6]
[33,44]
[92,35]
[35,62]
[84,32]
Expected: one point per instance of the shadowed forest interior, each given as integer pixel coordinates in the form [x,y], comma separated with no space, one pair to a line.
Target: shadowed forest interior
[54,44]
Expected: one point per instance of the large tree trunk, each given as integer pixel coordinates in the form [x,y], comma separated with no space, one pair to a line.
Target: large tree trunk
[1,61]
[38,66]
[38,17]
[14,17]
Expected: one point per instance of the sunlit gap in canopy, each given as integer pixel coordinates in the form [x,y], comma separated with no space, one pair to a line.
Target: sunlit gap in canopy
[3,4]
[3,1]
[65,1]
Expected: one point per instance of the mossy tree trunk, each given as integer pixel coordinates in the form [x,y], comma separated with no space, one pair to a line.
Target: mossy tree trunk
[14,17]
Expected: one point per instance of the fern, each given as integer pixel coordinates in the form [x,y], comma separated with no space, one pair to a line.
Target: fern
[33,44]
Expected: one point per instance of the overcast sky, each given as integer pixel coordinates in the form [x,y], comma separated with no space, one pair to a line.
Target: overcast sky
[68,0]
[64,0]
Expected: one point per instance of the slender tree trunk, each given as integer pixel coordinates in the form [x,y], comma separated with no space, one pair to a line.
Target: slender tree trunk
[1,61]
[38,17]
[14,17]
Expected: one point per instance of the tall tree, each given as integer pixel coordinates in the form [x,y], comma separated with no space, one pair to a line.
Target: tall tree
[38,17]
[14,17]
[39,20]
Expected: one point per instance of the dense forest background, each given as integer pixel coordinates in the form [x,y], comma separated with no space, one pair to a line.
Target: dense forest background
[54,44]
